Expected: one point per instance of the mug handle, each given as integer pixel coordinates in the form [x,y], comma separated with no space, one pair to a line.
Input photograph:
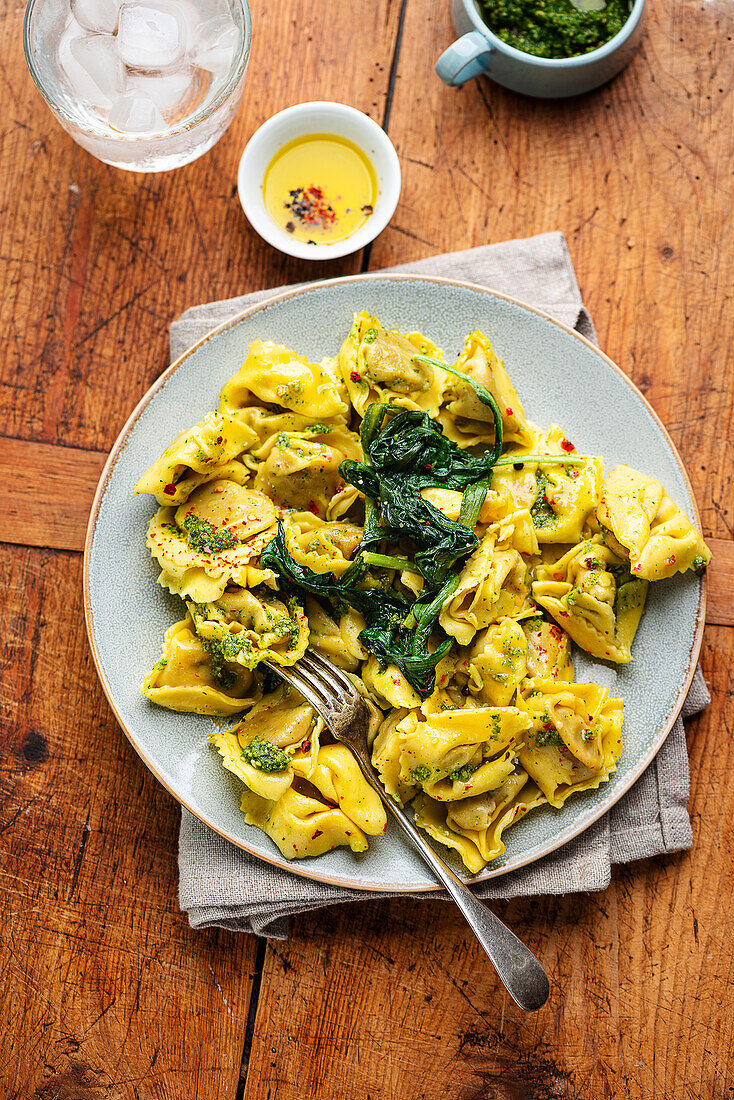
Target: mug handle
[468,57]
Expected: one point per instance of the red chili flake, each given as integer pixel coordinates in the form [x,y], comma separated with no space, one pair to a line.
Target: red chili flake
[558,576]
[312,507]
[170,489]
[219,439]
[310,206]
[355,376]
[305,746]
[671,560]
[567,445]
[547,727]
[508,411]
[429,465]
[319,832]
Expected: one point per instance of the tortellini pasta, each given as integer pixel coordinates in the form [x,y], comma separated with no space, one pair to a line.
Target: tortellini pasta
[466,420]
[186,679]
[273,375]
[657,535]
[498,663]
[592,595]
[575,738]
[493,585]
[247,626]
[560,496]
[474,826]
[548,653]
[301,469]
[196,455]
[378,365]
[555,556]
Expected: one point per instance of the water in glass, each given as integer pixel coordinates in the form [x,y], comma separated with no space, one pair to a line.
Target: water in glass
[138,82]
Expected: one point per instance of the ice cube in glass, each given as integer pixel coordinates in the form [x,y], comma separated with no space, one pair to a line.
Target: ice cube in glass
[136,113]
[217,43]
[99,16]
[175,94]
[91,65]
[151,36]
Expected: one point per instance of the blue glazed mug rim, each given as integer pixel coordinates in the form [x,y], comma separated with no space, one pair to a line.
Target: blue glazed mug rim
[636,8]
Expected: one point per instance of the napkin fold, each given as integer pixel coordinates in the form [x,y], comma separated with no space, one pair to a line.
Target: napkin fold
[222,886]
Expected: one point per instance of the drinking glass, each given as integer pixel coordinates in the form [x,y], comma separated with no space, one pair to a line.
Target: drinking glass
[145,85]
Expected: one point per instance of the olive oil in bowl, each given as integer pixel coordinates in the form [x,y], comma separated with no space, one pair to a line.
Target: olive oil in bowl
[320,188]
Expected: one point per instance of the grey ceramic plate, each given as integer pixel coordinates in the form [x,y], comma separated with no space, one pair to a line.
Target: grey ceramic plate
[561,378]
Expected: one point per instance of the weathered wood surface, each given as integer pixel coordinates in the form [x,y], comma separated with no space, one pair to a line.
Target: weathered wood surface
[106,993]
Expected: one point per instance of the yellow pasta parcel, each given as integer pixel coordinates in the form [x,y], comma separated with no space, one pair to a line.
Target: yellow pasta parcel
[378,365]
[197,454]
[302,825]
[497,663]
[248,626]
[493,585]
[274,375]
[466,420]
[575,736]
[301,469]
[594,597]
[548,651]
[657,534]
[186,679]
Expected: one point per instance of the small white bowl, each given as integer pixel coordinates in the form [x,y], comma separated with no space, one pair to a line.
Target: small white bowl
[318,118]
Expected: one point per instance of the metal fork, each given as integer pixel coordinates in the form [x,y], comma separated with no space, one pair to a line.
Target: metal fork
[335,698]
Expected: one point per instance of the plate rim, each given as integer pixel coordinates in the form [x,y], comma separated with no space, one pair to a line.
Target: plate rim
[296,867]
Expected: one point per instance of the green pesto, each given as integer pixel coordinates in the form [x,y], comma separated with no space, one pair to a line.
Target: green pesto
[224,676]
[699,564]
[265,756]
[461,775]
[201,536]
[549,737]
[553,28]
[421,773]
[541,511]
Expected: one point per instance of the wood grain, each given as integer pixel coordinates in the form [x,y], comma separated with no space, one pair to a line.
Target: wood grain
[107,994]
[49,495]
[720,609]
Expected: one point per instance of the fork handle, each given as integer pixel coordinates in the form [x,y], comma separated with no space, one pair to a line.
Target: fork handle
[520,972]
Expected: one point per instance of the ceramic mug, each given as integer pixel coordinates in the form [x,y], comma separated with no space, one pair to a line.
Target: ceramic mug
[479,51]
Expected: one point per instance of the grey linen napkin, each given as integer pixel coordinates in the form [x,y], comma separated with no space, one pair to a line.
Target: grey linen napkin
[222,886]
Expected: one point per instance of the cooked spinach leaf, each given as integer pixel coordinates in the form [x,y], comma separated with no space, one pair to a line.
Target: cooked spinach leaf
[405,453]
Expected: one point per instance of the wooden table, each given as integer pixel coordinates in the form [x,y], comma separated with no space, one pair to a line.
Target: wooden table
[106,992]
